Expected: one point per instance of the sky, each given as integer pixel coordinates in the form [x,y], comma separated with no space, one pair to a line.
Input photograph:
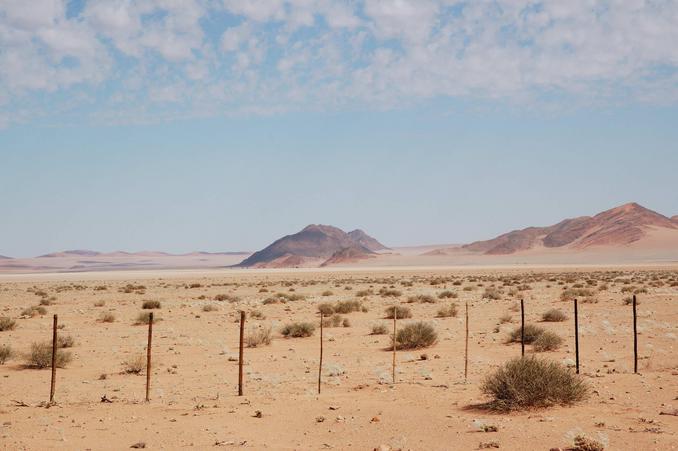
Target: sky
[221,125]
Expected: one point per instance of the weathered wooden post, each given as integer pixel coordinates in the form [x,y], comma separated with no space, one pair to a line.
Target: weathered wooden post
[635,337]
[148,357]
[54,359]
[240,359]
[466,346]
[395,317]
[320,365]
[522,328]
[576,334]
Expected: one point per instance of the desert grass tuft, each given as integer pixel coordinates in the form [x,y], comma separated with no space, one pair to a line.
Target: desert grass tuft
[40,356]
[298,330]
[416,336]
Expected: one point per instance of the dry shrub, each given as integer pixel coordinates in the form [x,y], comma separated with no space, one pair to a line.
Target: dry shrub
[583,443]
[447,312]
[390,292]
[149,305]
[554,315]
[107,317]
[226,297]
[532,332]
[492,293]
[259,336]
[6,323]
[40,356]
[298,330]
[416,336]
[547,341]
[529,382]
[447,294]
[144,318]
[363,293]
[34,311]
[210,308]
[327,293]
[335,320]
[379,329]
[584,294]
[401,312]
[65,341]
[99,303]
[505,318]
[134,365]
[421,298]
[347,307]
[257,314]
[326,309]
[6,353]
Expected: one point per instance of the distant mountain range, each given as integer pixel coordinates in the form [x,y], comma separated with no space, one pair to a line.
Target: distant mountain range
[315,245]
[619,226]
[88,253]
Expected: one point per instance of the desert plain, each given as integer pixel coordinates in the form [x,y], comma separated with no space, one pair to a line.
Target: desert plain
[194,400]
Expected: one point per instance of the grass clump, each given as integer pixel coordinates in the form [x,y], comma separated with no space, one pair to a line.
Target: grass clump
[6,323]
[390,292]
[6,353]
[135,365]
[532,332]
[379,329]
[401,312]
[40,356]
[34,311]
[326,309]
[529,382]
[107,317]
[209,308]
[447,294]
[554,315]
[422,299]
[492,293]
[149,305]
[583,294]
[144,318]
[583,443]
[65,341]
[416,336]
[347,307]
[547,341]
[260,336]
[298,330]
[447,312]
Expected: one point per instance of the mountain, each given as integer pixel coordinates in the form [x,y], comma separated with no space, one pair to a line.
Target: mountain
[73,253]
[2,257]
[674,219]
[348,255]
[619,226]
[366,241]
[314,245]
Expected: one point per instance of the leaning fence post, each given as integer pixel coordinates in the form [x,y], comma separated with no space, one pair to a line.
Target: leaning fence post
[635,338]
[466,346]
[320,365]
[522,328]
[576,334]
[395,317]
[240,359]
[148,357]
[54,355]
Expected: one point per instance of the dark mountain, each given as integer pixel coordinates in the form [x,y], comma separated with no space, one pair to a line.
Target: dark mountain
[616,227]
[366,241]
[73,253]
[311,247]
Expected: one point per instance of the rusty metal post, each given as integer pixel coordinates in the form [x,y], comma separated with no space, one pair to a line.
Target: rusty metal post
[576,333]
[240,359]
[635,337]
[522,328]
[320,366]
[54,358]
[148,357]
[466,347]
[395,318]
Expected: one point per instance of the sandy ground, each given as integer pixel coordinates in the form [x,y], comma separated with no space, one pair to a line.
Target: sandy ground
[194,402]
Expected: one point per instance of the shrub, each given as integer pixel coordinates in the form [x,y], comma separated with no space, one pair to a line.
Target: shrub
[401,312]
[421,298]
[492,293]
[570,294]
[447,312]
[528,382]
[415,336]
[6,353]
[532,332]
[135,365]
[547,341]
[45,301]
[326,309]
[379,329]
[554,316]
[268,301]
[144,318]
[447,294]
[40,356]
[107,317]
[34,311]
[334,321]
[390,292]
[226,297]
[363,293]
[65,341]
[7,323]
[258,337]
[582,443]
[346,322]
[148,305]
[209,308]
[257,314]
[99,303]
[347,307]
[629,300]
[298,330]
[505,318]
[327,293]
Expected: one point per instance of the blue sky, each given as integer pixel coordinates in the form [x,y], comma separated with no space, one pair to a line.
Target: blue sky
[221,125]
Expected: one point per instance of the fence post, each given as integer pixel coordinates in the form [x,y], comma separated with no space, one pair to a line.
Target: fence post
[522,328]
[395,317]
[576,333]
[320,365]
[635,338]
[240,359]
[466,346]
[148,357]
[54,355]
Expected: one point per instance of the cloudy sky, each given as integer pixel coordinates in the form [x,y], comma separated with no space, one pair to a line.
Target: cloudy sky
[220,124]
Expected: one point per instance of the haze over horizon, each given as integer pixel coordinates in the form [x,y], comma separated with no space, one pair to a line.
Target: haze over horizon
[222,125]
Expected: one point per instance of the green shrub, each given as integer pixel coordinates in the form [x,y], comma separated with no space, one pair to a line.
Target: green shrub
[532,332]
[148,305]
[6,353]
[415,336]
[40,356]
[6,323]
[298,330]
[447,312]
[547,341]
[401,312]
[524,383]
[554,315]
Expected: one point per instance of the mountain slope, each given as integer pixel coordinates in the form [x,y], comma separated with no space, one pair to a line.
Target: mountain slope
[366,241]
[313,245]
[619,226]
